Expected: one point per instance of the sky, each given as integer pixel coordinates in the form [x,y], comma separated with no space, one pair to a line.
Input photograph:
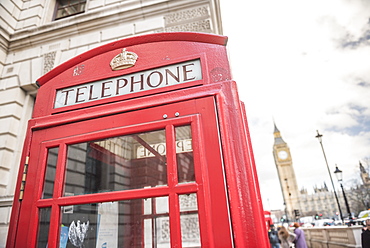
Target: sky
[304,65]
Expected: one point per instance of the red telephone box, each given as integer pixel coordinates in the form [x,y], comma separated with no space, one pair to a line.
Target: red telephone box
[142,142]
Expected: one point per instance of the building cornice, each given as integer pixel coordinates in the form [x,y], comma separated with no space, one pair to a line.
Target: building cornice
[4,39]
[94,20]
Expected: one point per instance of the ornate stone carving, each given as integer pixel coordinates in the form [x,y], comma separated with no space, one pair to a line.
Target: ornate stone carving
[199,26]
[185,15]
[49,59]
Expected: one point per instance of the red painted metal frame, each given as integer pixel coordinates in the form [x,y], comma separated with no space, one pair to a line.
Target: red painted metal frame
[243,179]
[224,121]
[211,222]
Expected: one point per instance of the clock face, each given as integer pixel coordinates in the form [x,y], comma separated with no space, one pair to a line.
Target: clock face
[283,155]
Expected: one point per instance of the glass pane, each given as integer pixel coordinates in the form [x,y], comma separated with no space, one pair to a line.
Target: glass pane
[119,163]
[156,224]
[184,154]
[131,223]
[189,221]
[44,224]
[50,173]
[69,8]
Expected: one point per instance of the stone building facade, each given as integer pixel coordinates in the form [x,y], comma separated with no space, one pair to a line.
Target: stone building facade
[322,202]
[37,35]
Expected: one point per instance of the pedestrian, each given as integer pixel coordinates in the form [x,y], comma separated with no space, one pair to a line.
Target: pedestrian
[300,239]
[273,237]
[365,235]
[286,237]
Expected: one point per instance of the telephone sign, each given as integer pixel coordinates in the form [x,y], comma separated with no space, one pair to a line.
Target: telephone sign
[142,142]
[132,83]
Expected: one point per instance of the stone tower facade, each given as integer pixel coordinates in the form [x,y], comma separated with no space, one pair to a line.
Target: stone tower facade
[364,176]
[287,178]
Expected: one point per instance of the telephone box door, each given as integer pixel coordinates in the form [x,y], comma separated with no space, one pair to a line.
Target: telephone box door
[147,178]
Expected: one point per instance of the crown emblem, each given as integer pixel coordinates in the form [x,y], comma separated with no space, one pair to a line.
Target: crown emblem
[123,60]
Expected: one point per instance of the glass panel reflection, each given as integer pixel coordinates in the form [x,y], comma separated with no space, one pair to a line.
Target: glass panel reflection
[131,223]
[184,154]
[50,173]
[119,163]
[44,224]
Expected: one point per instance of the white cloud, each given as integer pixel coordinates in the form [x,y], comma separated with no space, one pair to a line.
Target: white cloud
[306,65]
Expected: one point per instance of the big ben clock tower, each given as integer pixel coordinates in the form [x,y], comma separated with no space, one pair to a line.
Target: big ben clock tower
[288,182]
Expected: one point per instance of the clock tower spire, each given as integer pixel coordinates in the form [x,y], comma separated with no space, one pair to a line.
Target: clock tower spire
[287,178]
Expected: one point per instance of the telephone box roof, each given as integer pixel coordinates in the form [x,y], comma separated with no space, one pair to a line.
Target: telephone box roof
[135,40]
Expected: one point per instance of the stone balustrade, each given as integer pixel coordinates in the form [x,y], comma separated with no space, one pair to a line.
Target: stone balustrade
[333,236]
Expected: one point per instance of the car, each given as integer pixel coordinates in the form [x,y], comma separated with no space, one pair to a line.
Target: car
[364,214]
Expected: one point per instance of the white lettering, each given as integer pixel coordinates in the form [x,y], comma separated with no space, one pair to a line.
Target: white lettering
[127,84]
[181,147]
